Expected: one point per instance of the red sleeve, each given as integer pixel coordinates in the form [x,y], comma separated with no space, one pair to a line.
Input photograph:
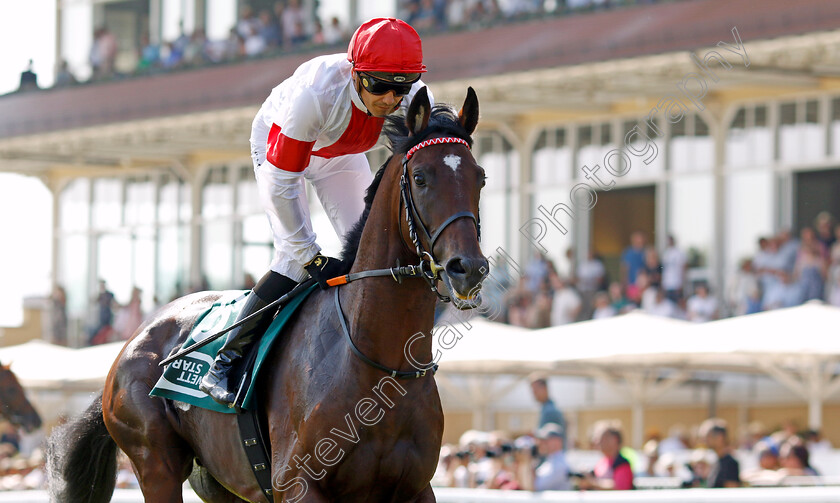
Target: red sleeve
[623,477]
[287,153]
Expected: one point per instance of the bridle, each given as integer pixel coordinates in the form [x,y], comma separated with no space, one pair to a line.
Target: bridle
[428,268]
[415,221]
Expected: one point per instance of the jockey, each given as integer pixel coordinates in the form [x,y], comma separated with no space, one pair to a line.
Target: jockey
[317,125]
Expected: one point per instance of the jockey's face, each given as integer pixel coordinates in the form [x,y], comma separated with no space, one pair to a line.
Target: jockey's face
[379,105]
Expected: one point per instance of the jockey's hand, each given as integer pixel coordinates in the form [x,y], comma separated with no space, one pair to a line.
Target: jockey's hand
[321,268]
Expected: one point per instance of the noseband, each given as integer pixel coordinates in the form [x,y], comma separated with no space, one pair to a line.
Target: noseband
[431,270]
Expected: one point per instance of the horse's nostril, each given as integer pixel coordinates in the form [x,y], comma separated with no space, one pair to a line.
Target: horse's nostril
[455,267]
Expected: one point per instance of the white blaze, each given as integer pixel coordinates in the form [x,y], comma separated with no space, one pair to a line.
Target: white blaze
[453,161]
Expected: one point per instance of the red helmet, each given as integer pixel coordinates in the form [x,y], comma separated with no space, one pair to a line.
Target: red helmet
[385,44]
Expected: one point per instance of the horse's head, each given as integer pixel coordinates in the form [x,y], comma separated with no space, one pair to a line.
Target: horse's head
[442,183]
[13,403]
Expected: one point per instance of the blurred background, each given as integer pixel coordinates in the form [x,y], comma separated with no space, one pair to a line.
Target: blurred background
[658,171]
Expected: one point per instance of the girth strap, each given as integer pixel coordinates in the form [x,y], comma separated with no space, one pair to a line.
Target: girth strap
[256,449]
[399,374]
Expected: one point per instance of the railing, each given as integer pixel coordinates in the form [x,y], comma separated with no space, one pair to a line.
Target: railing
[763,495]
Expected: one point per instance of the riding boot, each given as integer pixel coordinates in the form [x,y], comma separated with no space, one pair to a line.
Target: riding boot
[215,383]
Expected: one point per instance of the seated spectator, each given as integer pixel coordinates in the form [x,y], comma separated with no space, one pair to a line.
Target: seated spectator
[768,465]
[553,473]
[618,301]
[676,440]
[613,471]
[661,305]
[651,452]
[815,442]
[28,79]
[700,464]
[701,306]
[64,77]
[725,472]
[603,308]
[795,459]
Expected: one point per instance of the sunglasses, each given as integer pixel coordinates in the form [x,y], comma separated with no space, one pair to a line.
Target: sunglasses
[375,85]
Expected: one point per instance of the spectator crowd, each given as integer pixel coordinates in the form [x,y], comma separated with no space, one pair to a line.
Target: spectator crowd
[288,26]
[703,456]
[785,271]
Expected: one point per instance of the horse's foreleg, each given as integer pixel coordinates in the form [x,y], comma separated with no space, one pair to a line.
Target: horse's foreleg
[427,496]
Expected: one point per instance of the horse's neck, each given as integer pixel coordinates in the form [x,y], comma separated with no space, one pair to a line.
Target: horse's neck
[383,314]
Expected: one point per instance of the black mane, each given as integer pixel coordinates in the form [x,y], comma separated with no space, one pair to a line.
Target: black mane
[443,121]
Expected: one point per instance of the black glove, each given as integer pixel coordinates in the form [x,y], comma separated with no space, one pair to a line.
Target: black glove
[322,268]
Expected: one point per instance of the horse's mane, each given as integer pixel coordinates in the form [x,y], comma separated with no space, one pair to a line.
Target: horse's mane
[442,121]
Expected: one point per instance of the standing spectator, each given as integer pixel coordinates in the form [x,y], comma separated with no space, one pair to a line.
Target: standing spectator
[701,306]
[613,471]
[334,32]
[269,30]
[633,258]
[254,43]
[104,306]
[566,305]
[725,472]
[553,473]
[58,316]
[744,295]
[788,248]
[247,23]
[823,225]
[28,79]
[653,267]
[833,274]
[129,317]
[536,272]
[809,271]
[549,413]
[294,23]
[590,279]
[673,270]
[540,310]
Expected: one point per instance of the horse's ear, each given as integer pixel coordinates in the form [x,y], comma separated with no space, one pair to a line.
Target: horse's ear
[417,117]
[6,367]
[468,115]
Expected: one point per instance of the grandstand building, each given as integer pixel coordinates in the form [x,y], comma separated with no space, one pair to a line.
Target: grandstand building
[714,121]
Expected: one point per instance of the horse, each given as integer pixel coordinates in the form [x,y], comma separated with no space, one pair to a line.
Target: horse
[340,428]
[13,403]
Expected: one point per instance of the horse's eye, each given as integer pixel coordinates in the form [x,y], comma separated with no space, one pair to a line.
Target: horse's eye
[419,179]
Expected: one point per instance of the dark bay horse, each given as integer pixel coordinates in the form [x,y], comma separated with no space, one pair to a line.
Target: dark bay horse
[13,403]
[340,429]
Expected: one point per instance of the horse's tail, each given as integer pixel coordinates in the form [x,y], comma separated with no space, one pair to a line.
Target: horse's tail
[82,459]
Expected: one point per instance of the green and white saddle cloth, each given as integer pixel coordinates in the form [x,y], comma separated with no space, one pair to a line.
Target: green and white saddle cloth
[181,377]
